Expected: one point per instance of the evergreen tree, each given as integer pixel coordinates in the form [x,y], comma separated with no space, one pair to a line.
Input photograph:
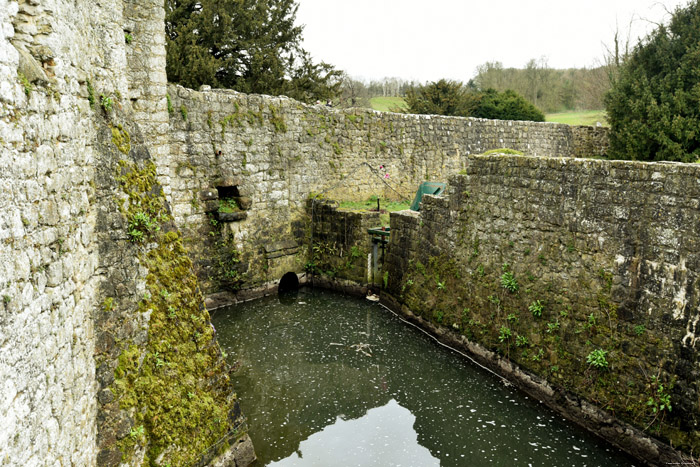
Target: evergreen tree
[506,105]
[251,46]
[654,104]
[440,98]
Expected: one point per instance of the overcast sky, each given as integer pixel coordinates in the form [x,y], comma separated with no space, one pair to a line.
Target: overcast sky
[431,39]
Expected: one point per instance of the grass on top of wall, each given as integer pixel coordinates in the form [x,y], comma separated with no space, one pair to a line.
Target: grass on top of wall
[371,205]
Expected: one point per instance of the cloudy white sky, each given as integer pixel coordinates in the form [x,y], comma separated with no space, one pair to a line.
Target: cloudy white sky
[431,39]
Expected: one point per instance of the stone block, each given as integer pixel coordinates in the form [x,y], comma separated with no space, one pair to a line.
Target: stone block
[109,457]
[244,202]
[30,68]
[228,180]
[231,216]
[211,206]
[208,195]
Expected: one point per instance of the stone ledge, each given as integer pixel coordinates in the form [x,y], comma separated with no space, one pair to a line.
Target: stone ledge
[241,454]
[231,216]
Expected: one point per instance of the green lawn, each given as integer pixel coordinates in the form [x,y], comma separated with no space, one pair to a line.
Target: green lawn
[371,205]
[586,117]
[385,104]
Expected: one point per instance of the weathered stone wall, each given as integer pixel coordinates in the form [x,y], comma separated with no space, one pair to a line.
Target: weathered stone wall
[77,291]
[277,151]
[589,141]
[102,325]
[144,30]
[549,263]
[164,393]
[339,243]
[49,276]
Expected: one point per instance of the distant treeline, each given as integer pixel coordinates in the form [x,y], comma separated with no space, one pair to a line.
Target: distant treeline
[548,89]
[357,93]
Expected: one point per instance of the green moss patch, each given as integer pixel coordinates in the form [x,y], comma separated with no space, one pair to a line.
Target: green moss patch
[503,151]
[176,388]
[580,345]
[277,120]
[121,139]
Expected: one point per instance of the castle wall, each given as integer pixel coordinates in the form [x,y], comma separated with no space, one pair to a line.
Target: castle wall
[278,152]
[49,266]
[577,278]
[83,125]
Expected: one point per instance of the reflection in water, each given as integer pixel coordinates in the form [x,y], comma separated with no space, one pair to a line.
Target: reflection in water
[305,364]
[383,437]
[288,297]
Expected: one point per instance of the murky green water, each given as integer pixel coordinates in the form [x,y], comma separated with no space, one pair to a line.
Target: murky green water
[328,380]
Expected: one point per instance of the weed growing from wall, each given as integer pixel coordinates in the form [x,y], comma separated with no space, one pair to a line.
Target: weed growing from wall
[91,93]
[107,103]
[536,308]
[28,88]
[509,282]
[597,359]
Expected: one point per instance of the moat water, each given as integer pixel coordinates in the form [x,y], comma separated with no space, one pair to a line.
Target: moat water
[329,380]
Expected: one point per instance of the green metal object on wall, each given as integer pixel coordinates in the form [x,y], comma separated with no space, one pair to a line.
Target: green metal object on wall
[427,188]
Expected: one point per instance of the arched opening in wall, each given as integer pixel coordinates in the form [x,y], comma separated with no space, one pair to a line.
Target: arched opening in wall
[288,289]
[288,283]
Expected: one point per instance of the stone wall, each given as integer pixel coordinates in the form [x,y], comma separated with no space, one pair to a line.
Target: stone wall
[589,141]
[577,277]
[164,394]
[144,29]
[339,242]
[82,109]
[103,164]
[277,152]
[49,277]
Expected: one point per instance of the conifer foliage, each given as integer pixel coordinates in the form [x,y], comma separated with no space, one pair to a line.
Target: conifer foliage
[443,97]
[654,104]
[251,46]
[454,98]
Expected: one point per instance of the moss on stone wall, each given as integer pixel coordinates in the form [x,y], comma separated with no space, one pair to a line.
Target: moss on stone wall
[545,296]
[121,139]
[527,324]
[176,388]
[277,120]
[339,242]
[280,149]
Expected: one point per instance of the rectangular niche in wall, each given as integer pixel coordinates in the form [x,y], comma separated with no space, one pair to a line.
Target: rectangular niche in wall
[232,206]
